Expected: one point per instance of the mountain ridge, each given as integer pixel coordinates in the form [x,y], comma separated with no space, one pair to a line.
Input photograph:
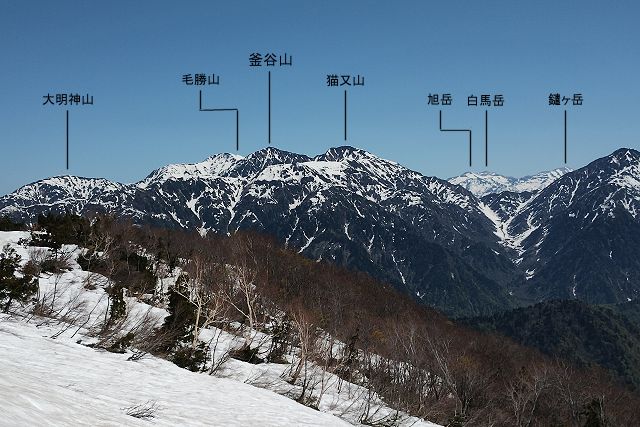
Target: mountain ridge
[484,183]
[431,238]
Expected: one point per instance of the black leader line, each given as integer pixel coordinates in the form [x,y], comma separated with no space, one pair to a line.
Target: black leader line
[269,89]
[486,138]
[457,130]
[565,137]
[67,140]
[225,109]
[345,114]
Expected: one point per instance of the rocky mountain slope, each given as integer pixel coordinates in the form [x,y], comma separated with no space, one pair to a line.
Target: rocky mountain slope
[578,237]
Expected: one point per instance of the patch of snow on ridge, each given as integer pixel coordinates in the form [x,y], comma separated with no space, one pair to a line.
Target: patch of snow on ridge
[280,172]
[329,169]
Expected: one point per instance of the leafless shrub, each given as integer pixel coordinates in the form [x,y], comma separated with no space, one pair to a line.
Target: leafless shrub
[145,411]
[147,339]
[37,257]
[381,418]
[51,306]
[261,379]
[94,280]
[67,313]
[72,314]
[45,260]
[217,360]
[137,333]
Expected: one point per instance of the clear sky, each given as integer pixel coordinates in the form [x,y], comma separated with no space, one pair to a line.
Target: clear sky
[130,56]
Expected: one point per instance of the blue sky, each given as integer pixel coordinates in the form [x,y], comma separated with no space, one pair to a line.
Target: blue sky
[131,55]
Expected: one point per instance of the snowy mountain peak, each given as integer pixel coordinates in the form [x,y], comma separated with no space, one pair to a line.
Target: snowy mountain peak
[618,178]
[273,155]
[625,157]
[258,161]
[345,152]
[621,168]
[483,183]
[212,167]
[65,186]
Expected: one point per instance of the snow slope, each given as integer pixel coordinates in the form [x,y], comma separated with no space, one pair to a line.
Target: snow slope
[47,381]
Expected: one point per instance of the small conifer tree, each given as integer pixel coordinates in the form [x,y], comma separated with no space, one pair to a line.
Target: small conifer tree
[14,287]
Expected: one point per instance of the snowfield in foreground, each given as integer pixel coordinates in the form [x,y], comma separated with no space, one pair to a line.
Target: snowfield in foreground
[59,382]
[47,381]
[50,376]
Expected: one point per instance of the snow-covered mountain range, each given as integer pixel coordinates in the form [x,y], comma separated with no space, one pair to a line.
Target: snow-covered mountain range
[465,253]
[483,183]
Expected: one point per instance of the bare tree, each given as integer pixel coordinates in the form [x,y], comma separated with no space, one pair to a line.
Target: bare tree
[463,375]
[202,287]
[301,370]
[572,390]
[524,392]
[242,295]
[100,243]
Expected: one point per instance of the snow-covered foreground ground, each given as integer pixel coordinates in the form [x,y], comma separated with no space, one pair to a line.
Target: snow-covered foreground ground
[46,381]
[49,376]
